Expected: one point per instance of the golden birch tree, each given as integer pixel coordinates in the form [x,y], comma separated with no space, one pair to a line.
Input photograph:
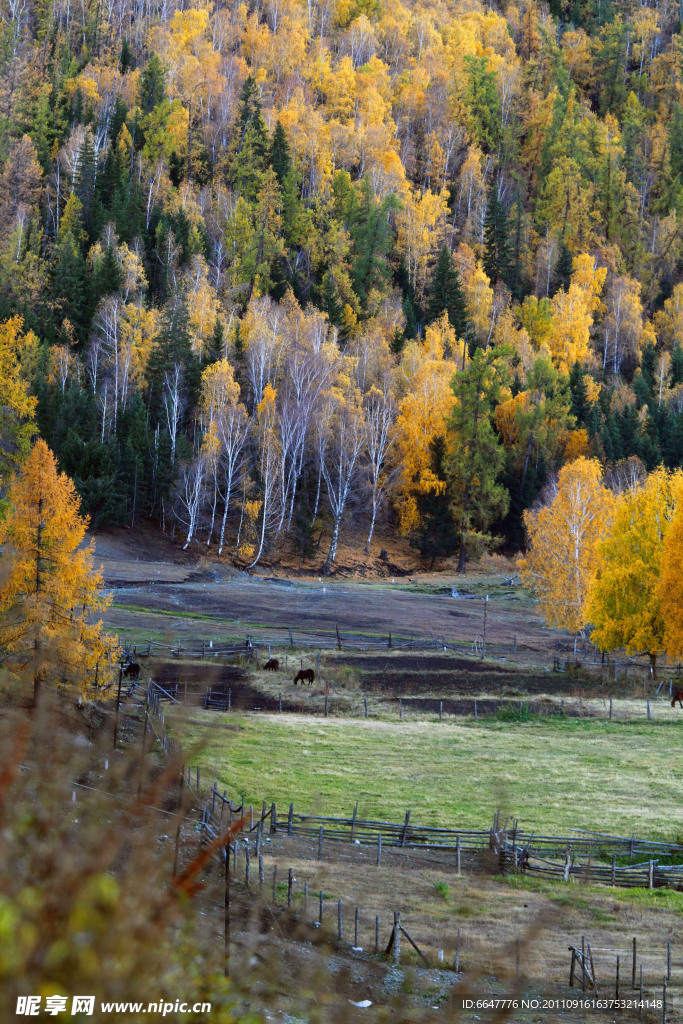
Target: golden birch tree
[563,539]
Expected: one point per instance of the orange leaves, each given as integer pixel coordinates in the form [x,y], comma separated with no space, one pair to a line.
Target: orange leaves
[51,591]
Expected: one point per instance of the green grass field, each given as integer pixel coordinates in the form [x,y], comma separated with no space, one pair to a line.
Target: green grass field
[550,774]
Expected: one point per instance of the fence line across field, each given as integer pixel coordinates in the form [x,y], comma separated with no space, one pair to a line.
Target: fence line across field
[286,637]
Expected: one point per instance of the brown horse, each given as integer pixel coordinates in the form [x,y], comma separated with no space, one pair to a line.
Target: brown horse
[305,675]
[132,671]
[272,665]
[677,696]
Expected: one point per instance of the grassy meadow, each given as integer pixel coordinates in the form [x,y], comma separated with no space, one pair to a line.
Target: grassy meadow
[551,774]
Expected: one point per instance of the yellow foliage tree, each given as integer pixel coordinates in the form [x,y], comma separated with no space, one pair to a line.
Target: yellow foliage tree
[564,537]
[625,605]
[670,586]
[17,407]
[422,417]
[50,590]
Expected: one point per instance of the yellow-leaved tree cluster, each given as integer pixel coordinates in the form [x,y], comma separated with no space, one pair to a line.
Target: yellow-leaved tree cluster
[611,558]
[49,590]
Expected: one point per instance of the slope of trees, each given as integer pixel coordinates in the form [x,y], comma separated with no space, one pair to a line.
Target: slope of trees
[244,253]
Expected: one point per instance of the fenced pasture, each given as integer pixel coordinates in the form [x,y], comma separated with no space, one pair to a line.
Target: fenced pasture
[218,619]
[550,774]
[466,899]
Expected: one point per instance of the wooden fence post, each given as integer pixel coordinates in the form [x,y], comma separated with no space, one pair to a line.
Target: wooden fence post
[290,818]
[457,856]
[320,908]
[633,965]
[616,981]
[260,871]
[397,936]
[273,818]
[405,829]
[365,701]
[377,933]
[356,927]
[583,963]
[379,848]
[353,821]
[340,920]
[320,843]
[226,914]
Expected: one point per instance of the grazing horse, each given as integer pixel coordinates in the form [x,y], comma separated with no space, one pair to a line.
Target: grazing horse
[272,665]
[132,671]
[305,675]
[677,696]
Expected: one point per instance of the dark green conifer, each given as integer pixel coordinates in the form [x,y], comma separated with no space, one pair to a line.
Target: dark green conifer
[446,294]
[497,259]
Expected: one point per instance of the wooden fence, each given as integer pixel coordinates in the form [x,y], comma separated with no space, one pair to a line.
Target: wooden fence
[512,849]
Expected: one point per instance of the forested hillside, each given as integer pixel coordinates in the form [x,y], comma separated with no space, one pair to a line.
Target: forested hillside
[266,267]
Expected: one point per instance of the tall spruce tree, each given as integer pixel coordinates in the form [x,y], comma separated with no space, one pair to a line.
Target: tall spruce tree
[249,151]
[497,258]
[437,536]
[446,294]
[280,157]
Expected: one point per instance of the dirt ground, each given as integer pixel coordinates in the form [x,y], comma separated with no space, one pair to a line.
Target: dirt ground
[490,922]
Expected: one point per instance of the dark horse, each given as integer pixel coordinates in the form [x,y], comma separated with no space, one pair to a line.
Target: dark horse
[272,665]
[132,671]
[305,675]
[677,696]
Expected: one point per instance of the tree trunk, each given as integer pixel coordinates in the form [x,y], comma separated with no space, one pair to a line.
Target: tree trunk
[462,557]
[332,553]
[372,528]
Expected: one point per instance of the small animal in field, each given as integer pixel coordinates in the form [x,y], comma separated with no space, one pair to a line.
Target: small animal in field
[305,675]
[272,665]
[132,671]
[677,696]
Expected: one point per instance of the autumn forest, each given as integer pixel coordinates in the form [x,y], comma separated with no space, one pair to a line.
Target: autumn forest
[269,269]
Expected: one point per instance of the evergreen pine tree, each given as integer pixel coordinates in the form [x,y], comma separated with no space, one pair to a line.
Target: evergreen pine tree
[563,269]
[579,394]
[280,158]
[70,288]
[371,234]
[497,259]
[437,536]
[249,149]
[446,294]
[127,57]
[86,178]
[676,372]
[152,84]
[172,347]
[331,303]
[107,277]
